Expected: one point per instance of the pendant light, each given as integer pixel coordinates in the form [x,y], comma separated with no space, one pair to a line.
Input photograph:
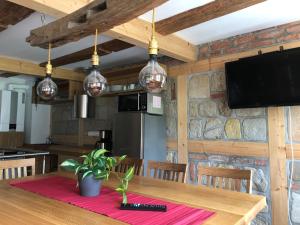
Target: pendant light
[46,88]
[94,84]
[153,77]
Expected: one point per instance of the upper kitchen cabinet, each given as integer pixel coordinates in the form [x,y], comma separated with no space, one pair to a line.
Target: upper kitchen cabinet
[66,91]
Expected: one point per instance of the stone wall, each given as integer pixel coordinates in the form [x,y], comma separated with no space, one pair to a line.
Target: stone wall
[294,202]
[259,167]
[170,108]
[210,118]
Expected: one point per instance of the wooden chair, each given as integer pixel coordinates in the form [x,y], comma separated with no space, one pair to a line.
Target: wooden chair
[225,178]
[129,162]
[11,169]
[166,171]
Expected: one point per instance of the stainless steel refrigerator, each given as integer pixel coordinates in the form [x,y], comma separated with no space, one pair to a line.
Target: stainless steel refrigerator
[139,135]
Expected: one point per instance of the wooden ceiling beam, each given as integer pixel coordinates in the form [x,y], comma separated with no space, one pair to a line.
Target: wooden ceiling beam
[100,14]
[138,34]
[28,68]
[54,8]
[103,49]
[11,14]
[202,14]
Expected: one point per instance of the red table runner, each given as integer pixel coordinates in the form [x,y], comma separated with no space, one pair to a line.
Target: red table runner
[108,202]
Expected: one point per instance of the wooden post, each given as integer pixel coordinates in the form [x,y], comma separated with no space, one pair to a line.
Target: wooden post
[277,158]
[182,129]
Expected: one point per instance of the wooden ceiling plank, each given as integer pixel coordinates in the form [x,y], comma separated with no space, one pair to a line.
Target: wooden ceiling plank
[100,14]
[170,45]
[123,71]
[202,14]
[11,14]
[103,49]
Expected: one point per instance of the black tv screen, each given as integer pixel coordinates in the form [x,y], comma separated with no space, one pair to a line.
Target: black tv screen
[271,79]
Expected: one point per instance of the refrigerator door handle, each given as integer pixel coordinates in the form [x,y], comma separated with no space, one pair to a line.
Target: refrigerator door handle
[138,102]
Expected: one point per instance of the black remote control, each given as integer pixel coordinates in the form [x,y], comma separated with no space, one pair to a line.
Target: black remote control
[143,207]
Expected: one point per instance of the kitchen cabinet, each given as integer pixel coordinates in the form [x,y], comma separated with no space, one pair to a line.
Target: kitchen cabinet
[11,139]
[51,163]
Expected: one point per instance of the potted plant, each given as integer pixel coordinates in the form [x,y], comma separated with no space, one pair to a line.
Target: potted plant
[94,168]
[122,188]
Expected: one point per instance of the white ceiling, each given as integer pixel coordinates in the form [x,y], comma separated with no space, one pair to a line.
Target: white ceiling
[260,16]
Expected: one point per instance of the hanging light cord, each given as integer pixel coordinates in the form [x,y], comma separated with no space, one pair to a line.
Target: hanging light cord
[49,53]
[153,22]
[95,42]
[49,66]
[95,57]
[153,44]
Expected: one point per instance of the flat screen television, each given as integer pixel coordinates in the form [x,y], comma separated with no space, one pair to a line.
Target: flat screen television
[271,79]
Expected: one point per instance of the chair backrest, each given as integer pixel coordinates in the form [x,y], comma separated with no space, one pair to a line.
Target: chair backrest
[166,171]
[129,162]
[11,169]
[225,178]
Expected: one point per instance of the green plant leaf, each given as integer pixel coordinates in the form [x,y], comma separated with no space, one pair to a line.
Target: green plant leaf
[99,153]
[86,174]
[120,190]
[81,168]
[114,161]
[121,158]
[111,162]
[129,174]
[101,163]
[70,164]
[101,174]
[86,161]
[125,185]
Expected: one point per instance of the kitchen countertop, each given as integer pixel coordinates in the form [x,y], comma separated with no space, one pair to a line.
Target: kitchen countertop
[7,153]
[58,149]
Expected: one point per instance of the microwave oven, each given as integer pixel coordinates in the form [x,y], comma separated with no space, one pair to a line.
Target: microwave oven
[143,102]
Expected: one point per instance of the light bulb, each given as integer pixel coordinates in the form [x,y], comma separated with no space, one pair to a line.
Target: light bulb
[153,77]
[94,84]
[46,88]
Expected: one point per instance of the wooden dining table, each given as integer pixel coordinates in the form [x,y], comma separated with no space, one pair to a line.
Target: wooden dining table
[18,206]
